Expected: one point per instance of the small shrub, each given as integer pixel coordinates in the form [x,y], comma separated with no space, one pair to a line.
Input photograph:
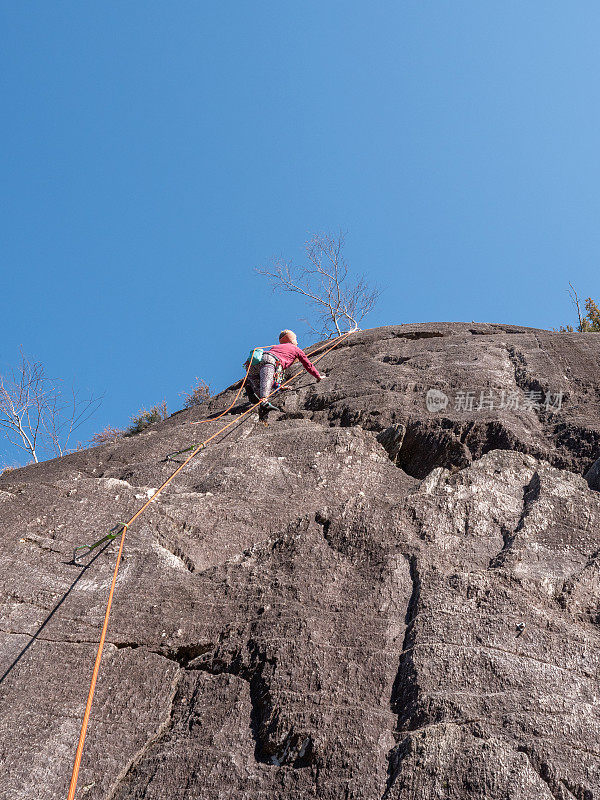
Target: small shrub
[591,321]
[144,418]
[200,393]
[109,434]
[588,322]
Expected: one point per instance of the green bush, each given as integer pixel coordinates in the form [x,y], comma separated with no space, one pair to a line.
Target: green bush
[144,418]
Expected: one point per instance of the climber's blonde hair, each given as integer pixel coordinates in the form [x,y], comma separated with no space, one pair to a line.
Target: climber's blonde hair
[288,336]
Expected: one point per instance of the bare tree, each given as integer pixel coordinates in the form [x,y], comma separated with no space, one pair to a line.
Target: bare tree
[200,393]
[35,414]
[340,301]
[575,300]
[109,434]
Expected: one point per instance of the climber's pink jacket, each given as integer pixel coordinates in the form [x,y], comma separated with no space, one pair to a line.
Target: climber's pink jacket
[287,353]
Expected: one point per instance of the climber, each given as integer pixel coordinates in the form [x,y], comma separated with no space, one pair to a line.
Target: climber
[261,376]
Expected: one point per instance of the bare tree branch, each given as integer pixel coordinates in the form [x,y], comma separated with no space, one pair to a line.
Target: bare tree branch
[34,413]
[338,303]
[575,299]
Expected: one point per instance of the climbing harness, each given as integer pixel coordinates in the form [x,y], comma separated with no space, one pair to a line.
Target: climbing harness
[277,378]
[121,529]
[255,360]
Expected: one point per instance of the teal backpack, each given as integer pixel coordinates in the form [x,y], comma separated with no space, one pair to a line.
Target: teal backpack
[255,357]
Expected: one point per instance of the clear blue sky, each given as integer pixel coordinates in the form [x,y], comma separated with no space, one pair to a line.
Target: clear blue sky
[155,152]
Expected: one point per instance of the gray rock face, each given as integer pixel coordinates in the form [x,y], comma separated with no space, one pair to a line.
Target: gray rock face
[364,599]
[592,476]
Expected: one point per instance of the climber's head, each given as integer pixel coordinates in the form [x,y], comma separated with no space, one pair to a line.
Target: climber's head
[288,337]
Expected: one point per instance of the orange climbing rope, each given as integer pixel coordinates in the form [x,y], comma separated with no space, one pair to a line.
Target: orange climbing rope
[234,401]
[88,706]
[123,530]
[243,383]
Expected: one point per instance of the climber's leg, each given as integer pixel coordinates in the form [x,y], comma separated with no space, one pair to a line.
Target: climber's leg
[267,374]
[252,386]
[251,393]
